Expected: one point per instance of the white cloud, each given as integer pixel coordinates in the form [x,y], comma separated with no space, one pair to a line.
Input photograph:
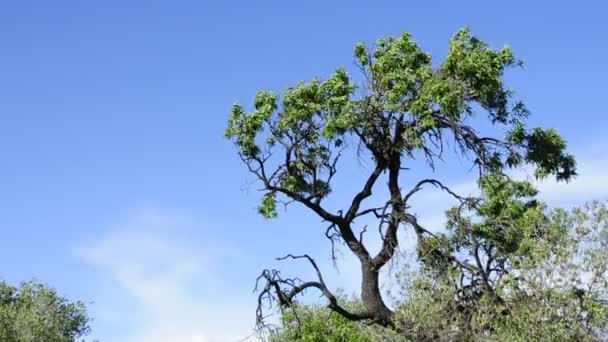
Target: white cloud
[590,184]
[177,293]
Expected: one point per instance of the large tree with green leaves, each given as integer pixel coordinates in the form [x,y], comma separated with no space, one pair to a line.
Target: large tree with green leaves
[34,312]
[556,291]
[405,107]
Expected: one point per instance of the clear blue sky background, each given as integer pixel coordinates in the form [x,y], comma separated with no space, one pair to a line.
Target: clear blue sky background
[113,108]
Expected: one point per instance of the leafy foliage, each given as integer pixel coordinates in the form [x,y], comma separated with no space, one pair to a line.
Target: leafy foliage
[34,312]
[316,324]
[556,291]
[406,107]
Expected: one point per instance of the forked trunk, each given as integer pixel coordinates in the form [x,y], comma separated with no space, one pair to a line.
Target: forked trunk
[371,296]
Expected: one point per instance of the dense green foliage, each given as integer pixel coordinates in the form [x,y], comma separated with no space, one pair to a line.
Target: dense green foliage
[317,324]
[557,291]
[479,276]
[34,313]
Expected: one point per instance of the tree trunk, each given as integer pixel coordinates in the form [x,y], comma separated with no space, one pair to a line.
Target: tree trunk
[371,296]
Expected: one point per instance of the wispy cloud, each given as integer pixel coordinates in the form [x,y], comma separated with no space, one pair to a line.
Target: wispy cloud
[177,291]
[591,182]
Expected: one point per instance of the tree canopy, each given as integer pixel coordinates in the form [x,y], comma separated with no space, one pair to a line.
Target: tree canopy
[34,312]
[405,108]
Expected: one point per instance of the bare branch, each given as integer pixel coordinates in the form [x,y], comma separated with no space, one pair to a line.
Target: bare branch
[437,184]
[364,193]
[361,234]
[332,234]
[284,290]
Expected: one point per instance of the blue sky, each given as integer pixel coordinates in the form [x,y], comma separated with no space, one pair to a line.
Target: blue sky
[118,187]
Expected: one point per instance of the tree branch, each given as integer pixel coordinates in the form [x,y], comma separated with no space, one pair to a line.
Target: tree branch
[273,291]
[364,193]
[437,184]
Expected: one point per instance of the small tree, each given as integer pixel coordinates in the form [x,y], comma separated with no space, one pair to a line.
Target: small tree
[554,288]
[405,108]
[34,312]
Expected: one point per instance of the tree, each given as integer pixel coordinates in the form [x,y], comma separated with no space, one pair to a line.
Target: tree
[557,292]
[34,312]
[405,108]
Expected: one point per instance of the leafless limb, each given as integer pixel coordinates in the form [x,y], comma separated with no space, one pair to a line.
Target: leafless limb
[284,290]
[437,184]
[333,235]
[361,234]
